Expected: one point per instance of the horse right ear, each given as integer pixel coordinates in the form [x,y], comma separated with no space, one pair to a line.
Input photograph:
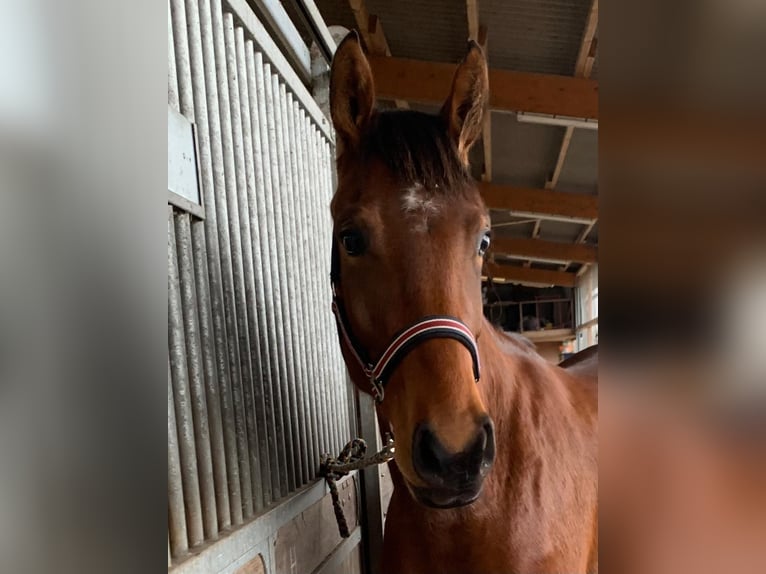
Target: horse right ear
[352,92]
[465,107]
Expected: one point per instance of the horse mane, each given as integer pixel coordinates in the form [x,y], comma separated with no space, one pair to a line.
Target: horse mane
[417,149]
[517,341]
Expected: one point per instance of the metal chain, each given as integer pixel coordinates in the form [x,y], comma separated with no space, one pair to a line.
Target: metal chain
[350,458]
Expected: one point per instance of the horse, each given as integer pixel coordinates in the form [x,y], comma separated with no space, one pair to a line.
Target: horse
[495,467]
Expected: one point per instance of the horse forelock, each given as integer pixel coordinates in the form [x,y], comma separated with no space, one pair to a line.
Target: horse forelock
[417,150]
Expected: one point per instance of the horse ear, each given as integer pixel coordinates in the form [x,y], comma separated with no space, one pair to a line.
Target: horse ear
[465,106]
[352,92]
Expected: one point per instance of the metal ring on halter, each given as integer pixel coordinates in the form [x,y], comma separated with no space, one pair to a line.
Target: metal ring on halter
[378,391]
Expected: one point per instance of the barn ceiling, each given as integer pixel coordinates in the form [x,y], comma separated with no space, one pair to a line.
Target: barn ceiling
[554,38]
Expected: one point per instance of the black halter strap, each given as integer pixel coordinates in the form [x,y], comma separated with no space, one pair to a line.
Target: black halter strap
[430,327]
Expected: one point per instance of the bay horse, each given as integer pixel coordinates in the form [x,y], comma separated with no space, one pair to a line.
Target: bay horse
[495,469]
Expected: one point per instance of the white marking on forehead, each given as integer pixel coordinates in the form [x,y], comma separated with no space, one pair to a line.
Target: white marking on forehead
[418,203]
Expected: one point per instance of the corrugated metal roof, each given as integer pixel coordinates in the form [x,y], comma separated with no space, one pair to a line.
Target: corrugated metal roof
[540,36]
[434,30]
[559,230]
[580,170]
[523,154]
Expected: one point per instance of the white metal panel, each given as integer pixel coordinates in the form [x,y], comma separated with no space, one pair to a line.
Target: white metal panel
[257,375]
[182,158]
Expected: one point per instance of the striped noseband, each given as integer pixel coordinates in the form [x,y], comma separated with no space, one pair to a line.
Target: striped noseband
[430,327]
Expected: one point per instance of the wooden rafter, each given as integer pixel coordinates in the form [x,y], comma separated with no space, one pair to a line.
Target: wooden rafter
[575,206]
[478,33]
[581,239]
[371,29]
[587,53]
[530,275]
[429,82]
[541,250]
[472,12]
[583,68]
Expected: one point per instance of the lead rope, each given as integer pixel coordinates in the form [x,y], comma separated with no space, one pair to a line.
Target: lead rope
[351,458]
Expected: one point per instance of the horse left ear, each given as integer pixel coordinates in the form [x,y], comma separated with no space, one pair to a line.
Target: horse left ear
[352,92]
[465,107]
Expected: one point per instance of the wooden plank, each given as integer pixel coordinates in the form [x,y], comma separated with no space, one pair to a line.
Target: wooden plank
[540,201]
[486,134]
[549,335]
[375,38]
[317,524]
[478,33]
[472,12]
[254,566]
[587,53]
[238,547]
[580,239]
[587,324]
[530,275]
[371,29]
[554,180]
[544,250]
[346,558]
[430,82]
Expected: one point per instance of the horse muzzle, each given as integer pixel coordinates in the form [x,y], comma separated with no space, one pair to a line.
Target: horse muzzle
[445,498]
[451,479]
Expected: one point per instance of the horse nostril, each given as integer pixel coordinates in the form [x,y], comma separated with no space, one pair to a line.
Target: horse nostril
[488,446]
[428,455]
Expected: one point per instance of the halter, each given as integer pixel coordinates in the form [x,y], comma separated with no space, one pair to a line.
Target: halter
[430,327]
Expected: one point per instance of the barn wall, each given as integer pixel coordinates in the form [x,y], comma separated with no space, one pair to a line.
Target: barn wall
[587,309]
[256,385]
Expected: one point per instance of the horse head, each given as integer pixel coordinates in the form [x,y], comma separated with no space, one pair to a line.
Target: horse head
[410,233]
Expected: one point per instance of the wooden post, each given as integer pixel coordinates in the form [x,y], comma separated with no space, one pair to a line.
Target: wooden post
[371,509]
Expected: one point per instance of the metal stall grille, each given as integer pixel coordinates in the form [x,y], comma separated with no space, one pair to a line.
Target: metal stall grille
[256,384]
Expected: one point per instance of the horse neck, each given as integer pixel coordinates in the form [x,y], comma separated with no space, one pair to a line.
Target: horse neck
[528,398]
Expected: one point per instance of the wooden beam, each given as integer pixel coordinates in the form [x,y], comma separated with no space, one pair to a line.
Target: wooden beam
[544,250]
[587,53]
[582,270]
[371,29]
[472,11]
[362,17]
[478,33]
[376,38]
[530,275]
[510,223]
[580,239]
[486,134]
[430,82]
[540,201]
[554,180]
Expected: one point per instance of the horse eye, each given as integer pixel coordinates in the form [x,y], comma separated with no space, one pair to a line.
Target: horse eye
[353,242]
[484,244]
